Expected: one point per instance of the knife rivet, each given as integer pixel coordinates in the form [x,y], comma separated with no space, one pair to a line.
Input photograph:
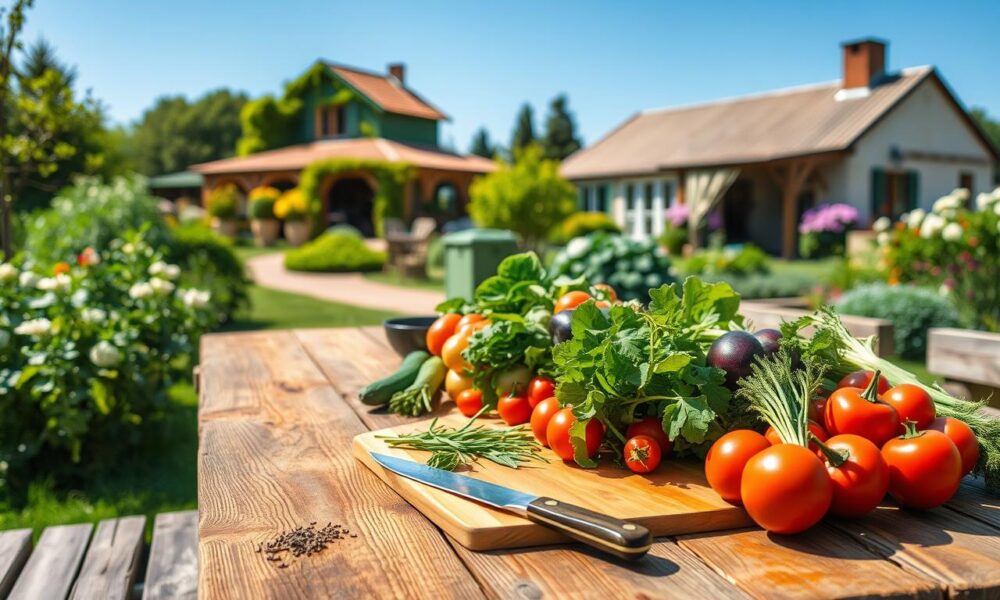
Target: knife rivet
[628,527]
[551,503]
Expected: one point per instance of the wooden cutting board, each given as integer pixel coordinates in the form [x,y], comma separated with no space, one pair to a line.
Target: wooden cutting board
[673,500]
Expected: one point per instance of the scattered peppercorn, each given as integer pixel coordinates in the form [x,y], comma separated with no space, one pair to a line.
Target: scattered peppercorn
[302,541]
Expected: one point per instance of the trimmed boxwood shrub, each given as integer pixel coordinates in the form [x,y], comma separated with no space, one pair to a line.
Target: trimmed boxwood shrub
[335,252]
[912,310]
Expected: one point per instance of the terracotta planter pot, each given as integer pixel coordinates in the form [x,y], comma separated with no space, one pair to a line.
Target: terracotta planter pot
[265,231]
[297,232]
[226,227]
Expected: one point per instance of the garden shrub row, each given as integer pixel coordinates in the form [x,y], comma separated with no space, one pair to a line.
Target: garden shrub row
[335,252]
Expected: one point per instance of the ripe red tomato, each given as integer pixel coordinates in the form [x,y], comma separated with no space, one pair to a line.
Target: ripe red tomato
[925,468]
[642,454]
[652,427]
[440,331]
[557,434]
[726,459]
[912,403]
[540,417]
[849,410]
[861,379]
[814,428]
[540,388]
[861,481]
[514,409]
[469,319]
[817,406]
[570,300]
[469,402]
[609,292]
[964,439]
[773,477]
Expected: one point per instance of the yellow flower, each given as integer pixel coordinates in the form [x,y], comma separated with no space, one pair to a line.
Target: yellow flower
[264,191]
[291,206]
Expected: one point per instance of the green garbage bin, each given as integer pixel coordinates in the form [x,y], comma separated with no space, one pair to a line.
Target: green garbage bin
[471,256]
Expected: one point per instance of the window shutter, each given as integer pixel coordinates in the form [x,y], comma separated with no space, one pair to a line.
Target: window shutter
[912,190]
[879,199]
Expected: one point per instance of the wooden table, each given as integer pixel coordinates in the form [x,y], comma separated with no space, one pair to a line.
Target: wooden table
[278,412]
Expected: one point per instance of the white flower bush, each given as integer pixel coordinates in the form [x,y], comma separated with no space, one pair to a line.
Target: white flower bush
[104,354]
[34,327]
[8,272]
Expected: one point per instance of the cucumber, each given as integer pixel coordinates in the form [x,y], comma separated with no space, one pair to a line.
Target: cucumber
[378,392]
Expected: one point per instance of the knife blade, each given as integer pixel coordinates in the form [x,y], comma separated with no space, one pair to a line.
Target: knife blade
[600,531]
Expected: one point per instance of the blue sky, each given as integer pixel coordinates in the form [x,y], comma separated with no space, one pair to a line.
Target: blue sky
[479,61]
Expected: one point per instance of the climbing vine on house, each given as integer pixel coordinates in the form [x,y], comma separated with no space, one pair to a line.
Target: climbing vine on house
[269,122]
[388,201]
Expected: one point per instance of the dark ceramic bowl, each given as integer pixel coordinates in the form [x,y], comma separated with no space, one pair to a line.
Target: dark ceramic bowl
[407,334]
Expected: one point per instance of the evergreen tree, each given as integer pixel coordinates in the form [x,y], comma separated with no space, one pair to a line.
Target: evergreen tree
[560,131]
[524,129]
[481,144]
[40,57]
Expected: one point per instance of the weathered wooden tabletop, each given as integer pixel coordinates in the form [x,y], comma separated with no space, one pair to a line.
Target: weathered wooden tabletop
[278,412]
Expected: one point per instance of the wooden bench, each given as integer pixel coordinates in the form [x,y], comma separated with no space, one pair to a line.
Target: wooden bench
[68,562]
[968,360]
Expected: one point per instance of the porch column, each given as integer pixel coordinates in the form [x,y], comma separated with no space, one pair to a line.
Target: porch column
[639,211]
[618,204]
[791,180]
[658,208]
[592,198]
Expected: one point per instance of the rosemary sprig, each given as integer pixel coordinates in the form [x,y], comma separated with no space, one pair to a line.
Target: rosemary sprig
[451,447]
[412,402]
[781,396]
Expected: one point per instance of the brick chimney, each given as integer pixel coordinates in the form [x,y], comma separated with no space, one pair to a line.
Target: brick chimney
[398,70]
[864,62]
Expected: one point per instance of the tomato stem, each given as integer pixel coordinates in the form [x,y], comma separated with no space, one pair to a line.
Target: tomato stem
[871,392]
[835,457]
[911,429]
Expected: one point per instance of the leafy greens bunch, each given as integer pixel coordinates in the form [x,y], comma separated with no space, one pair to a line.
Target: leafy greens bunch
[625,363]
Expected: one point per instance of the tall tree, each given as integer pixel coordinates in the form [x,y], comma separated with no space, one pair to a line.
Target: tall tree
[176,133]
[560,131]
[40,57]
[481,144]
[524,129]
[10,31]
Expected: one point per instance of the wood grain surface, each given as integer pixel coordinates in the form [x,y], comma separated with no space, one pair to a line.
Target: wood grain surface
[53,565]
[172,572]
[15,546]
[113,560]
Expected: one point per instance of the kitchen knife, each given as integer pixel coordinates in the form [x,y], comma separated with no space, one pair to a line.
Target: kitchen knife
[621,538]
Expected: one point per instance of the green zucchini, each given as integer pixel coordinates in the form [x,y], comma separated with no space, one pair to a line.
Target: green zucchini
[378,392]
[416,399]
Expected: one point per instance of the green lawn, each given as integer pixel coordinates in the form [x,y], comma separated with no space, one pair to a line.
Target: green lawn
[818,269]
[273,309]
[394,278]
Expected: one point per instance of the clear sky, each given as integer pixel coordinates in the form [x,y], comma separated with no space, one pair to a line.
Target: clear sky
[479,61]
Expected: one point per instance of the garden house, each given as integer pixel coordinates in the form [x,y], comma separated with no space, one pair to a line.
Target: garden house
[885,142]
[363,146]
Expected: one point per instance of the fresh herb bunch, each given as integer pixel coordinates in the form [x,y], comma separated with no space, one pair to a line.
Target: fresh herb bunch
[831,344]
[781,396]
[626,362]
[451,447]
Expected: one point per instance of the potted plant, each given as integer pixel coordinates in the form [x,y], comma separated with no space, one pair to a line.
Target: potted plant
[293,209]
[223,204]
[264,226]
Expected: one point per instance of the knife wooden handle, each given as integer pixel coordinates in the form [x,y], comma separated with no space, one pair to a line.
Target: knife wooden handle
[621,538]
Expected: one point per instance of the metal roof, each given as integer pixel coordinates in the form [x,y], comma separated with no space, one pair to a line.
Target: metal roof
[180,179]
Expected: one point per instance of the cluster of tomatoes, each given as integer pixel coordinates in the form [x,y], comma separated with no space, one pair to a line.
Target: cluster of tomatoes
[870,439]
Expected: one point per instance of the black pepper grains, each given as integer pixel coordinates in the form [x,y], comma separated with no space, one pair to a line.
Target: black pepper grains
[302,541]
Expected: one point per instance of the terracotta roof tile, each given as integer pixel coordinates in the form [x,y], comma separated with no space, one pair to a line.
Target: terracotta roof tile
[744,130]
[389,94]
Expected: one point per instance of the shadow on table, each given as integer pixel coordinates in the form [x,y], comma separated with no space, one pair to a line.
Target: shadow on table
[648,566]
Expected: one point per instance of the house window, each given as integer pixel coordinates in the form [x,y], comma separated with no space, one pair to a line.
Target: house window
[629,207]
[648,214]
[601,198]
[894,193]
[331,121]
[968,181]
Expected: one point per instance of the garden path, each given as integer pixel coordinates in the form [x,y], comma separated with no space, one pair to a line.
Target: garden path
[268,270]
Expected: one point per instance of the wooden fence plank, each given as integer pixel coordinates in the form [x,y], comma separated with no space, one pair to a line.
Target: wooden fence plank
[15,546]
[113,560]
[964,355]
[172,571]
[819,563]
[53,565]
[274,454]
[961,553]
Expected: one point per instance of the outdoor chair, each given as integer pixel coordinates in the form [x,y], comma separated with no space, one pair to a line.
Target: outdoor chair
[408,251]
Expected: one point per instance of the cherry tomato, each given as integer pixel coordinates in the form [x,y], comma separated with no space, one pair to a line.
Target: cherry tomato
[925,468]
[861,412]
[557,434]
[451,353]
[470,319]
[861,481]
[861,379]
[514,409]
[455,383]
[814,428]
[726,459]
[774,477]
[964,439]
[469,402]
[540,388]
[439,332]
[541,414]
[642,454]
[470,328]
[609,292]
[912,403]
[570,300]
[652,427]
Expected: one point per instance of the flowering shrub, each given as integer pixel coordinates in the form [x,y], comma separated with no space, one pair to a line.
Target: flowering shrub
[86,354]
[953,249]
[262,201]
[224,201]
[292,206]
[823,229]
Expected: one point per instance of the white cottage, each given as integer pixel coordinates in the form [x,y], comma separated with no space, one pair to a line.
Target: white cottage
[883,142]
